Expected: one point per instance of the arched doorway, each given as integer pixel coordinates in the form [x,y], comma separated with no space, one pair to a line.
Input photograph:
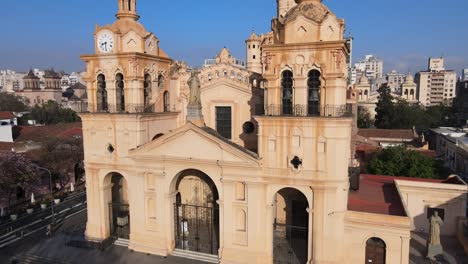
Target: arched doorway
[376,251]
[291,227]
[196,213]
[119,210]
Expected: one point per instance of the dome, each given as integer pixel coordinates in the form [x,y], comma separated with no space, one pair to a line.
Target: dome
[311,9]
[363,79]
[409,79]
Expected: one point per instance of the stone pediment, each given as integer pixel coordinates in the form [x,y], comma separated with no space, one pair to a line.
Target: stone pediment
[193,143]
[224,83]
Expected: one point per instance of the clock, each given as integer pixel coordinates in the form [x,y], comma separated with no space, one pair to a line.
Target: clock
[105,42]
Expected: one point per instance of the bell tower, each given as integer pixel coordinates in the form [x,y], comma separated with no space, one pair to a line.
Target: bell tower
[127,9]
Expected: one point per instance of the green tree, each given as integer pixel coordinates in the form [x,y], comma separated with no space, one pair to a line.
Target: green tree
[399,161]
[385,109]
[12,103]
[364,118]
[52,113]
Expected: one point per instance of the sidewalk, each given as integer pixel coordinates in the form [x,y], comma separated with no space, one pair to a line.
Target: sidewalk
[54,250]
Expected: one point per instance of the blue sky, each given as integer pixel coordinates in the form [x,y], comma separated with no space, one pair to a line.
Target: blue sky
[53,33]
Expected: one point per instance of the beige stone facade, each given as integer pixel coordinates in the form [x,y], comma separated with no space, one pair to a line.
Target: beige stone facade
[279,193]
[35,94]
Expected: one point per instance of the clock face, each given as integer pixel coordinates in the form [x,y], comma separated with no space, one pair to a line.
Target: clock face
[105,42]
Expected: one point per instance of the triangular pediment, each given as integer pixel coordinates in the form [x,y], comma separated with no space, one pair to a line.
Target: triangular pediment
[227,84]
[191,142]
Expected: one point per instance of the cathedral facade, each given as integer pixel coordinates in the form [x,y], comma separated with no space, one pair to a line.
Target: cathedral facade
[262,179]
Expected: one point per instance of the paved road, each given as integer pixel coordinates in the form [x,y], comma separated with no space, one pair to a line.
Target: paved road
[38,248]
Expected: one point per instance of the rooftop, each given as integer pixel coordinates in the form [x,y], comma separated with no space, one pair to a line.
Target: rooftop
[378,195]
[390,134]
[7,115]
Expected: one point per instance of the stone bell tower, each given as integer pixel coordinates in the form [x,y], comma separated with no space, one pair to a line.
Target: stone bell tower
[127,9]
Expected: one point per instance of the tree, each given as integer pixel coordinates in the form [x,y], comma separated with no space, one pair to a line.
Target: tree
[385,109]
[364,118]
[16,171]
[61,157]
[12,103]
[399,161]
[52,113]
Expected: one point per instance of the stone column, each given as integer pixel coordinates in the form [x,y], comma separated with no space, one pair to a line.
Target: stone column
[221,227]
[405,246]
[169,200]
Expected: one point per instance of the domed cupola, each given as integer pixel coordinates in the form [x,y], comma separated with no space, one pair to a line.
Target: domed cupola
[311,9]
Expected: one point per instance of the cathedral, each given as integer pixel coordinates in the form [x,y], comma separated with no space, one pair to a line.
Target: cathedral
[230,163]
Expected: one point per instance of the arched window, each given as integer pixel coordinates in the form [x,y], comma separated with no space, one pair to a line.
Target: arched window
[101,93]
[287,92]
[233,75]
[376,251]
[120,92]
[147,90]
[129,5]
[160,81]
[313,86]
[166,102]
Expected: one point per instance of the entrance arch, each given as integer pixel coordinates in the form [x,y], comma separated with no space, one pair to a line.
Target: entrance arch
[196,213]
[119,209]
[376,251]
[290,227]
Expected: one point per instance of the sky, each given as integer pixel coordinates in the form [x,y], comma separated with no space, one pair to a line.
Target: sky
[404,33]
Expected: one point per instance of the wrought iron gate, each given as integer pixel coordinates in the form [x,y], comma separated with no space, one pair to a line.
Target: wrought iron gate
[290,244]
[119,219]
[197,228]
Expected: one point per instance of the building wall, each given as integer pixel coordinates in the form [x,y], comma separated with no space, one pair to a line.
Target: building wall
[417,197]
[6,133]
[360,227]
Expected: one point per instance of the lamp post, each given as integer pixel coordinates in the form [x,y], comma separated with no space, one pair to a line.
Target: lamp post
[51,192]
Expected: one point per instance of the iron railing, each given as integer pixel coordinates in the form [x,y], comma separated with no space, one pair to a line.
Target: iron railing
[132,108]
[328,111]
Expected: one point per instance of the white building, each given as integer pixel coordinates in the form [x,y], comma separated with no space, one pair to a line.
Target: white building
[7,122]
[395,80]
[465,75]
[436,85]
[11,81]
[371,66]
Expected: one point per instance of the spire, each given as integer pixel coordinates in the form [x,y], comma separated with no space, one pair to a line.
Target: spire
[127,9]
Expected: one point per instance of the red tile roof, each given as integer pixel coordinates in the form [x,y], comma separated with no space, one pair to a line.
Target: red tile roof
[378,195]
[406,134]
[7,115]
[39,133]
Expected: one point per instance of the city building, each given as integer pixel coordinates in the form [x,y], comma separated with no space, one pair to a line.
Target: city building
[11,81]
[451,146]
[395,80]
[7,122]
[371,66]
[465,75]
[35,94]
[239,165]
[71,79]
[436,85]
[462,103]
